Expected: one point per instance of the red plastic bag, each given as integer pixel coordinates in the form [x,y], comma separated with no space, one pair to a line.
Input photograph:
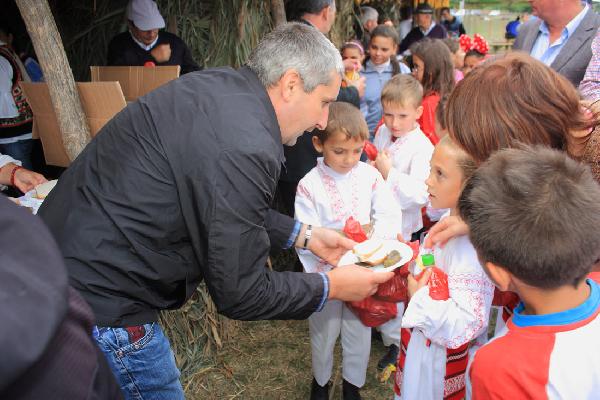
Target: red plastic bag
[373,312]
[395,290]
[354,231]
[438,284]
[370,150]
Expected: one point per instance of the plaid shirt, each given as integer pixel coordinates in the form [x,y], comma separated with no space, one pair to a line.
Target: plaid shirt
[590,85]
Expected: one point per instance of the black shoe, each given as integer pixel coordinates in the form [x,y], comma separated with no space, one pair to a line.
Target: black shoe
[350,392]
[318,392]
[389,358]
[376,335]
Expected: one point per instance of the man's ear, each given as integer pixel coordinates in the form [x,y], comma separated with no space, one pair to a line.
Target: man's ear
[289,84]
[499,275]
[324,14]
[317,144]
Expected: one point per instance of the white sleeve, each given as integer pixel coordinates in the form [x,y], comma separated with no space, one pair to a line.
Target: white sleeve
[8,108]
[387,214]
[452,323]
[5,159]
[306,211]
[410,189]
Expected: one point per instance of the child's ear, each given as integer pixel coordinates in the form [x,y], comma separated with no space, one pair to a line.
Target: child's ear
[317,144]
[499,275]
[419,111]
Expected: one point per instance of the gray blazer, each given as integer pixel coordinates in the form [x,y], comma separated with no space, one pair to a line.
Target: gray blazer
[575,55]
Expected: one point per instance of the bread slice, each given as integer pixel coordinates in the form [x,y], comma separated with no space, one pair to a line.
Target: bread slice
[42,190]
[365,249]
[378,257]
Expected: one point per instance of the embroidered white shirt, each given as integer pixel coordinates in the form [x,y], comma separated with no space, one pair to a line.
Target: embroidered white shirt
[327,198]
[410,155]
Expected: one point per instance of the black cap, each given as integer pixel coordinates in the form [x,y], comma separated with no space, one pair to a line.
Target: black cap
[424,8]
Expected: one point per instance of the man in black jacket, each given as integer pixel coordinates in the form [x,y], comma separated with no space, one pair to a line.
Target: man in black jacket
[176,188]
[144,43]
[426,27]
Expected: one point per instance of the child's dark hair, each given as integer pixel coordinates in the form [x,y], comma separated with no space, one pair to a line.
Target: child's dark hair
[438,76]
[344,117]
[391,33]
[402,89]
[474,53]
[535,212]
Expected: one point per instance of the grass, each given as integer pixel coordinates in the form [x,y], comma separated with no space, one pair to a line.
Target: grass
[272,360]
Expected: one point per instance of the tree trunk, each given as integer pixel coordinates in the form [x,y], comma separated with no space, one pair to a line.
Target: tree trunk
[57,73]
[278,12]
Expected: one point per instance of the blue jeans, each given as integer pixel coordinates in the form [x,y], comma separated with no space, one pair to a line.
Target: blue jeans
[145,369]
[20,150]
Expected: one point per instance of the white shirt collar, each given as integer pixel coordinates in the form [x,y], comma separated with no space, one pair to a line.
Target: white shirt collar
[142,45]
[425,33]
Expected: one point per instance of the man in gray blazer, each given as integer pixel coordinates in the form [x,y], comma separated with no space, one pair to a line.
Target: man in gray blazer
[561,36]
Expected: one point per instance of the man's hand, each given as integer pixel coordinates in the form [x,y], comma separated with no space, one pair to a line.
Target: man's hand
[326,244]
[383,163]
[445,230]
[413,285]
[161,53]
[25,180]
[354,283]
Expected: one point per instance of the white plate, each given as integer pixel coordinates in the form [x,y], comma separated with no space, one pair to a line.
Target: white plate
[405,251]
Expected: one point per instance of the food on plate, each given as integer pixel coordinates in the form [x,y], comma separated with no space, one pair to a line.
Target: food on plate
[392,258]
[367,248]
[42,190]
[373,252]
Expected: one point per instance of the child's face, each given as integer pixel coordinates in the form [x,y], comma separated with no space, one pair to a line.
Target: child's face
[353,54]
[340,153]
[459,58]
[470,63]
[418,68]
[445,180]
[381,49]
[401,119]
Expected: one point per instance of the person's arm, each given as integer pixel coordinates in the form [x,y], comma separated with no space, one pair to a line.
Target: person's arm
[238,246]
[444,230]
[461,29]
[452,323]
[19,177]
[410,189]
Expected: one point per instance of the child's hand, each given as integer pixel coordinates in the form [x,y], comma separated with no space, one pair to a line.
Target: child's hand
[413,285]
[383,163]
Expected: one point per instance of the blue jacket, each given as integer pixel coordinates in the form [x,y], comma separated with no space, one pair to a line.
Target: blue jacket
[370,104]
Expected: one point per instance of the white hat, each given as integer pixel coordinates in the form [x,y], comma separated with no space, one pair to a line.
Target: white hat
[145,15]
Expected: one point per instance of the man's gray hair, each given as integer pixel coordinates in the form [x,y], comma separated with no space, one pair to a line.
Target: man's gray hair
[367,14]
[299,47]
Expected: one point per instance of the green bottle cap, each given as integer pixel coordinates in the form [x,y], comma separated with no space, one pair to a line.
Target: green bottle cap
[428,260]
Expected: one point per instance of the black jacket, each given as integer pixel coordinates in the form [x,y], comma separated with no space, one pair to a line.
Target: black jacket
[176,188]
[122,50]
[438,32]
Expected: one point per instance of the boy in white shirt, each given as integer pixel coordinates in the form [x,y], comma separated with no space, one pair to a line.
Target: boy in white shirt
[340,187]
[404,153]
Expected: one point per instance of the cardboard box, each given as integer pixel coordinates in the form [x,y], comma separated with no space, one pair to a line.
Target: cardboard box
[100,102]
[136,81]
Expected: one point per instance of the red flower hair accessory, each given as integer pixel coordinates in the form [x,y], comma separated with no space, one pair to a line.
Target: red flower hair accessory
[478,43]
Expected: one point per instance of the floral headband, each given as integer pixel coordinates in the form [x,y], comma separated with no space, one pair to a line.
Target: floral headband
[478,43]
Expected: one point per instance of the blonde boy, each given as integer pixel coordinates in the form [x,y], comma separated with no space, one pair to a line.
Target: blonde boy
[403,160]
